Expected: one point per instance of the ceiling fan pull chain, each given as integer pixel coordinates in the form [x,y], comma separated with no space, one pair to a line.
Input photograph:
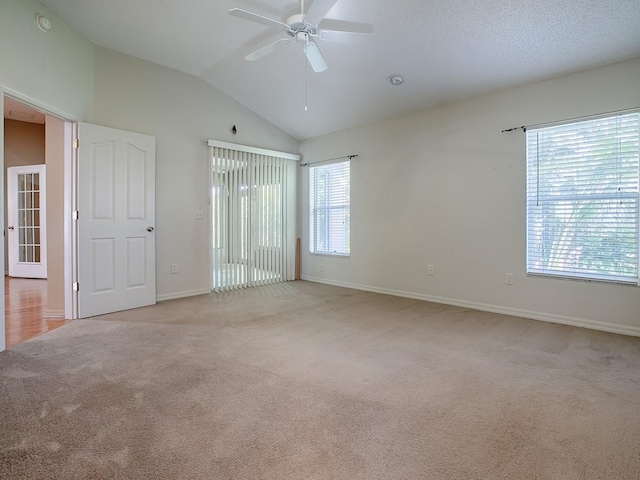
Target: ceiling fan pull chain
[306,77]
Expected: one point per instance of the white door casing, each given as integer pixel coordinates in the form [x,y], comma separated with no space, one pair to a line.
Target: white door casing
[116,220]
[26,229]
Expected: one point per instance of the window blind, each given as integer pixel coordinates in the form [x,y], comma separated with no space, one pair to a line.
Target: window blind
[253,218]
[582,199]
[329,208]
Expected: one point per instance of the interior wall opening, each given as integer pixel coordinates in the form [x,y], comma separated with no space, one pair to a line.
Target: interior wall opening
[34,202]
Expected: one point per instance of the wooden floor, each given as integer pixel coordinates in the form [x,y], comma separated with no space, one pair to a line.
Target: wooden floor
[25,303]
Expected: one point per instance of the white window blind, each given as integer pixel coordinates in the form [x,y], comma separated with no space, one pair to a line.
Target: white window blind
[582,199]
[329,208]
[253,216]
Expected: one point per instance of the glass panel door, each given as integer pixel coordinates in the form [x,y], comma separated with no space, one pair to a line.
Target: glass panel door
[29,218]
[26,230]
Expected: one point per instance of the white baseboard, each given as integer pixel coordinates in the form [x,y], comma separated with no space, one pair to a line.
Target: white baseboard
[515,312]
[174,296]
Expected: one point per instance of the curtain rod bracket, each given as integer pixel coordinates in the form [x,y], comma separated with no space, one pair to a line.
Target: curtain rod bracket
[523,128]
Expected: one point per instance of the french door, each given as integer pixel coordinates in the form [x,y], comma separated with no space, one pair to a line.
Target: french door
[26,229]
[253,216]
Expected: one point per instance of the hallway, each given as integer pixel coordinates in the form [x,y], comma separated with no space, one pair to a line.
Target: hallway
[25,305]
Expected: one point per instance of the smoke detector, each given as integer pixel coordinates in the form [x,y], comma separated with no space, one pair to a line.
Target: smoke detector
[43,23]
[396,79]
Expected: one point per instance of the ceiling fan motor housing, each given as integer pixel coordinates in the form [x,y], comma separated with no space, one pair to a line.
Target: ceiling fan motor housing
[298,25]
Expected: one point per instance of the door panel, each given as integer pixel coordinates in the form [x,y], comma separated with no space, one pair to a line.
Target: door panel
[103,256]
[102,181]
[137,271]
[26,232]
[116,239]
[137,184]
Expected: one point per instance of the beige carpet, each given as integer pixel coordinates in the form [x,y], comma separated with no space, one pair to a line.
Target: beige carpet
[308,381]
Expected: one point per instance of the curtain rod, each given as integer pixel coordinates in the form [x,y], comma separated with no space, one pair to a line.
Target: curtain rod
[548,124]
[350,157]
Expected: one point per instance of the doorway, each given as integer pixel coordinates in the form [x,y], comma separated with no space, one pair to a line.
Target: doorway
[78,173]
[32,142]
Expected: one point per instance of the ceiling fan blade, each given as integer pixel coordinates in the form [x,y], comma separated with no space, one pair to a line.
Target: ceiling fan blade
[314,56]
[261,52]
[318,10]
[254,17]
[347,37]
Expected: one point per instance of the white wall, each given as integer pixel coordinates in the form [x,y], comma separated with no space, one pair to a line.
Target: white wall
[181,111]
[445,187]
[54,68]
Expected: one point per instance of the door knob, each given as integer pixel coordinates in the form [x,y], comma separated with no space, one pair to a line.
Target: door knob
[149,229]
[10,228]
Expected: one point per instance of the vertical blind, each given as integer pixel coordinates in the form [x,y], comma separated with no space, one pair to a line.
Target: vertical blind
[329,205]
[253,212]
[582,199]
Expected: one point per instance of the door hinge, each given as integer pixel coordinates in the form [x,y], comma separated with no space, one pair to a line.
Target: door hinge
[76,143]
[75,215]
[76,287]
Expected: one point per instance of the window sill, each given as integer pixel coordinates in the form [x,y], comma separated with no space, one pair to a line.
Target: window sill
[332,255]
[629,283]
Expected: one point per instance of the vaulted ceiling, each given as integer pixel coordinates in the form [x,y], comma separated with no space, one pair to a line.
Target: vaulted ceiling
[446,50]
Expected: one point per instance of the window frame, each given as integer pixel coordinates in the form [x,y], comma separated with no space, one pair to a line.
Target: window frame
[328,206]
[578,273]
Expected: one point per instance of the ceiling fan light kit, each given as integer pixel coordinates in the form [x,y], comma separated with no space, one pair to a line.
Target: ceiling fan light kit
[304,29]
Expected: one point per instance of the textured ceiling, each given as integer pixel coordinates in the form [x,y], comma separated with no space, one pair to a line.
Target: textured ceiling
[446,49]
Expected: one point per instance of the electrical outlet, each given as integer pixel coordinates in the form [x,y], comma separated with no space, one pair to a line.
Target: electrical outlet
[174,268]
[508,278]
[431,271]
[198,214]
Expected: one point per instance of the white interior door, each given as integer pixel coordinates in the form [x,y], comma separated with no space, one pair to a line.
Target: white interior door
[116,220]
[26,229]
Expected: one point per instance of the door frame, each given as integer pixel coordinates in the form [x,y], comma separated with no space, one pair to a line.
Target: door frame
[70,189]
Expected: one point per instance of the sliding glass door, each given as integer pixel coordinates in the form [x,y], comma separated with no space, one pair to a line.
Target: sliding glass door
[253,215]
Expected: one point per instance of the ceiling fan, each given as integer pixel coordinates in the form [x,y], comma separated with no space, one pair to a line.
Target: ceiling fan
[303,28]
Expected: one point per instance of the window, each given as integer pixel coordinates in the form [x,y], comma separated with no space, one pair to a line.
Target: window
[329,211]
[582,199]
